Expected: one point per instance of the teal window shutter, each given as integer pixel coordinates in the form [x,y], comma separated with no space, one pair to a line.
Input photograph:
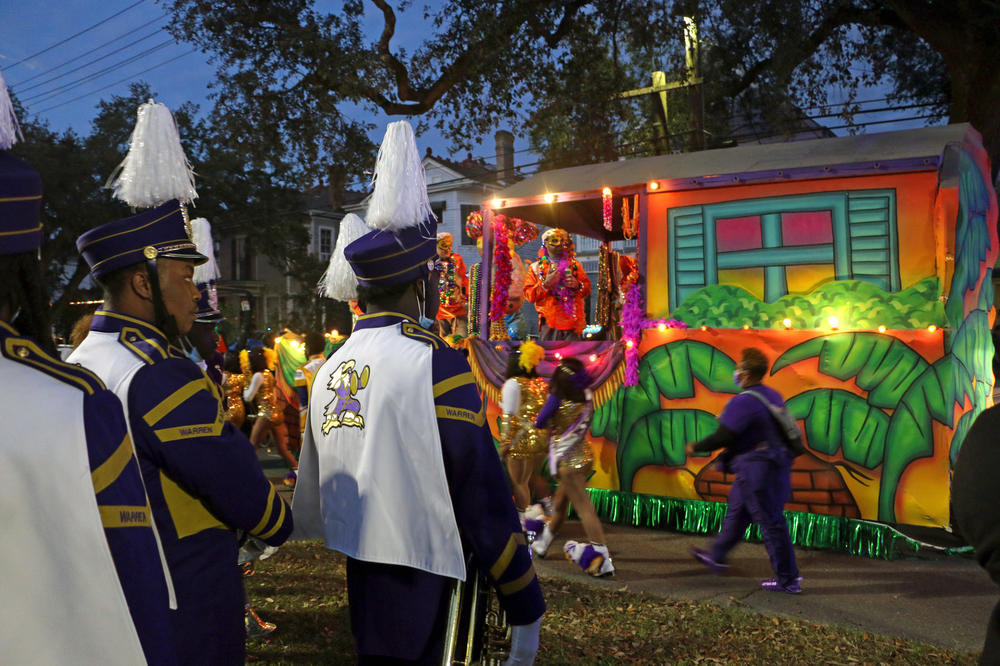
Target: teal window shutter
[692,264]
[871,225]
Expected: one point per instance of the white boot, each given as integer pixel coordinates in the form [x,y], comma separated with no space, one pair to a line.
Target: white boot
[541,544]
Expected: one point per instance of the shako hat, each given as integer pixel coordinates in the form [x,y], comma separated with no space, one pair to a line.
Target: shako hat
[402,246]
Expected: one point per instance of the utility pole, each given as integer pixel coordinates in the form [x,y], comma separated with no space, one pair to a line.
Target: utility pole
[692,59]
[692,81]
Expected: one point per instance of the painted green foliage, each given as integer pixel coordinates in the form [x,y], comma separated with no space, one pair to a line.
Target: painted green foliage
[649,435]
[895,377]
[971,344]
[856,303]
[891,426]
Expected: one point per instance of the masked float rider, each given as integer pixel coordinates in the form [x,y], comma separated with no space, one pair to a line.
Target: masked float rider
[558,285]
[453,289]
[201,474]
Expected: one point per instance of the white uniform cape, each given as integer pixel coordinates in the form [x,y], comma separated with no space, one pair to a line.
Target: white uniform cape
[115,365]
[62,602]
[378,492]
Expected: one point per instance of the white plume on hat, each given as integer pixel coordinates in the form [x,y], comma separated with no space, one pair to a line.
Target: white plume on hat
[155,169]
[399,200]
[201,236]
[9,129]
[339,281]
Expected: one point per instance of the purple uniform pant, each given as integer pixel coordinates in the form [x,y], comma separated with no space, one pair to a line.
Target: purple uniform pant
[758,495]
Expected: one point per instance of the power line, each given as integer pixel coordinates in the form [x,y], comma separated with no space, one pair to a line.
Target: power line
[75,35]
[89,63]
[66,87]
[127,78]
[88,52]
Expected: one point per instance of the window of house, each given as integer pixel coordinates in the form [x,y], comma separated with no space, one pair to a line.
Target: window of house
[242,258]
[325,243]
[777,245]
[466,209]
[438,208]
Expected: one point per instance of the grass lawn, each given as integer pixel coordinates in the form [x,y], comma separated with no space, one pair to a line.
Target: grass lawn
[303,590]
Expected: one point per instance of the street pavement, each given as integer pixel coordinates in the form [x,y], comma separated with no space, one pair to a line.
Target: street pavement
[942,600]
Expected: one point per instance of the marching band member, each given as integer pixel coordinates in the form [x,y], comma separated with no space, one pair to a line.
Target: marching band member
[201,474]
[74,593]
[398,468]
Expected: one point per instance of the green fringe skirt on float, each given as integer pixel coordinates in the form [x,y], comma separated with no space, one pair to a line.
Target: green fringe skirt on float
[809,530]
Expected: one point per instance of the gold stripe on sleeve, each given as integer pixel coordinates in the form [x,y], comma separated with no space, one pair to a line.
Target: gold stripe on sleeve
[277,524]
[267,512]
[452,383]
[189,432]
[109,470]
[507,555]
[124,516]
[173,400]
[522,582]
[459,414]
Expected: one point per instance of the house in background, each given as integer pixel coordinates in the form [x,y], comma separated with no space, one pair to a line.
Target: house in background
[255,294]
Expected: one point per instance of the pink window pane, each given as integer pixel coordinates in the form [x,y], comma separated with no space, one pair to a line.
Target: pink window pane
[812,228]
[737,233]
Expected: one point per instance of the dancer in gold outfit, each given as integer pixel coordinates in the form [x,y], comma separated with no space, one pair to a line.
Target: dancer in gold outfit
[270,411]
[567,414]
[233,383]
[523,445]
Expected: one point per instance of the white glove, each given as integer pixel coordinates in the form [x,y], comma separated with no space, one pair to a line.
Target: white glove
[523,644]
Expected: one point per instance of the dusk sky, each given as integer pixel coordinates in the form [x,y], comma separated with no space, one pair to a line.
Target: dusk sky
[123,41]
[130,45]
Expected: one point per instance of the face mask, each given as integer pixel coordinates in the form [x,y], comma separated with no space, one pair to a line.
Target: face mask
[736,377]
[423,320]
[190,350]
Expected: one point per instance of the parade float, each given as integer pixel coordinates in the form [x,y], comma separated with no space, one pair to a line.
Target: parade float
[860,265]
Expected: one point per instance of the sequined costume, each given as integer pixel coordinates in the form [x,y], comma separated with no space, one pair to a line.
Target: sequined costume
[267,399]
[569,446]
[232,387]
[453,285]
[528,441]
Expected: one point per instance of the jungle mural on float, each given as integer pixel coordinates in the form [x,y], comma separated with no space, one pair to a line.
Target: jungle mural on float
[883,410]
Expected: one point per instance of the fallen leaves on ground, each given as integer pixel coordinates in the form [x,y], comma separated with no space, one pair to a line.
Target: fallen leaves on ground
[303,589]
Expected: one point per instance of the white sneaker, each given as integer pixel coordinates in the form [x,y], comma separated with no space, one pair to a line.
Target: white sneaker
[541,544]
[593,558]
[606,568]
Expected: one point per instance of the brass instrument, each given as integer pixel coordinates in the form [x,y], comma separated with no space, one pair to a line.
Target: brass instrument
[477,633]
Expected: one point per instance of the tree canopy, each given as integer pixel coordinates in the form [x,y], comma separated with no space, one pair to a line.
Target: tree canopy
[238,192]
[298,74]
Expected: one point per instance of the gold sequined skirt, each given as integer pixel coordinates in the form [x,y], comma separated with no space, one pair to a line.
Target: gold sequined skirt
[579,458]
[235,413]
[268,411]
[532,444]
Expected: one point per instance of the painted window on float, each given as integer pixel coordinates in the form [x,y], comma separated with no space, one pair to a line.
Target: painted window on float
[774,246]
